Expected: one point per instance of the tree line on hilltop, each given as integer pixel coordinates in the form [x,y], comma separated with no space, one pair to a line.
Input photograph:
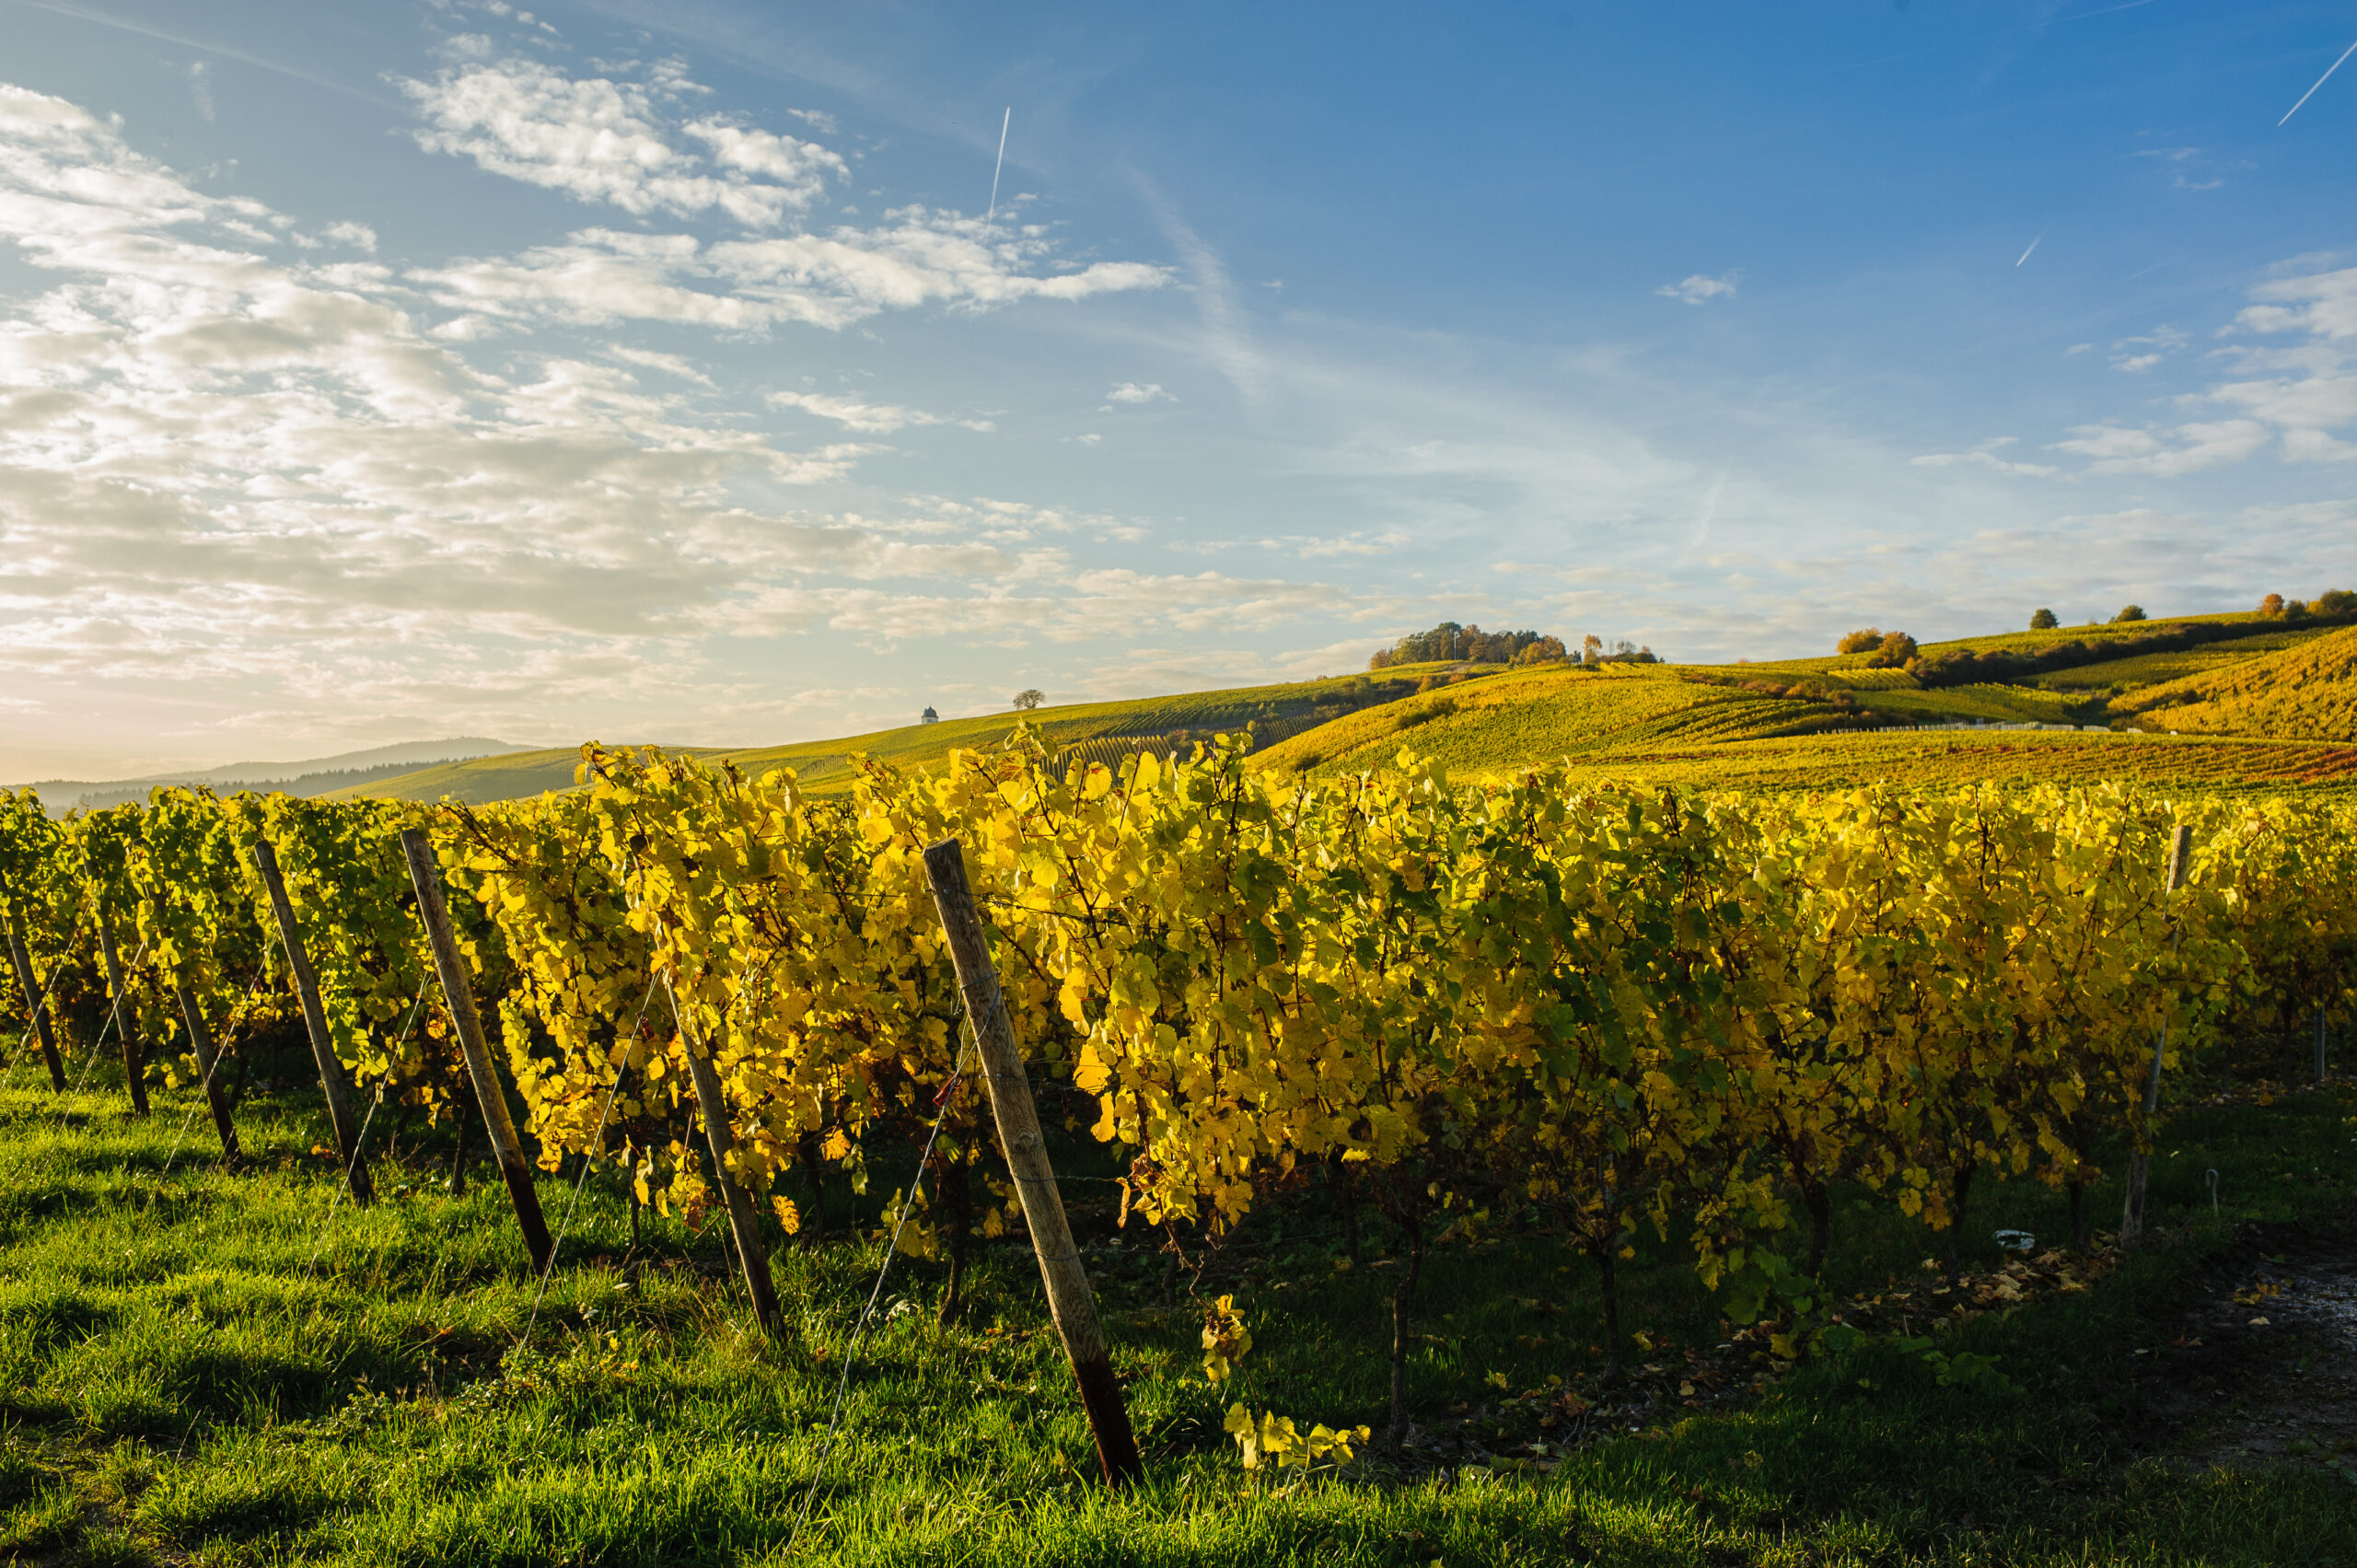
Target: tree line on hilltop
[1450,643]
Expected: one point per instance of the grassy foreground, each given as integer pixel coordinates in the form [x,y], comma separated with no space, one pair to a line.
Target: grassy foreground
[205,1366]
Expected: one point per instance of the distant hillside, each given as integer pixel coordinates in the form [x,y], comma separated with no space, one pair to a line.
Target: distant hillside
[309,776]
[1788,723]
[825,767]
[1526,717]
[2308,691]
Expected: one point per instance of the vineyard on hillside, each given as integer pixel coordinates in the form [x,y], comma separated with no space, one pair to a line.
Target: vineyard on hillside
[1627,1025]
[1510,722]
[1518,1003]
[2309,688]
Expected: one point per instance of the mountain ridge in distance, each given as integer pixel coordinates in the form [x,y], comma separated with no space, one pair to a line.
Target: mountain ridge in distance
[57,794]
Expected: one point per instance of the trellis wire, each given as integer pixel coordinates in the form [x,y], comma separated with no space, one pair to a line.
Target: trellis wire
[859,1330]
[90,1061]
[204,1087]
[361,1142]
[612,1095]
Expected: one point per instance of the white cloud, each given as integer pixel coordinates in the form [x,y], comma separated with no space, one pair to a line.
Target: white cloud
[876,418]
[833,280]
[2181,449]
[2189,168]
[200,90]
[1134,392]
[246,480]
[1986,456]
[2299,396]
[1701,289]
[1309,548]
[600,140]
[668,363]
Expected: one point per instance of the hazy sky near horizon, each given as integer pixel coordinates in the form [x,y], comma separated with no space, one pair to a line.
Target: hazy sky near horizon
[374,372]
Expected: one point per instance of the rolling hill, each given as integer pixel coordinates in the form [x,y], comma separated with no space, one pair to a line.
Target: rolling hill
[826,767]
[2277,699]
[2308,690]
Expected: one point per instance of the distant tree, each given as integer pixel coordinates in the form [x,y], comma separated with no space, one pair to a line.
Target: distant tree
[1895,649]
[1547,650]
[1029,698]
[2129,612]
[2293,610]
[1864,639]
[2043,621]
[2271,605]
[1591,648]
[2334,602]
[1449,642]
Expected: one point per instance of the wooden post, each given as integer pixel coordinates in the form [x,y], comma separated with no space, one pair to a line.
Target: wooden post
[200,1038]
[459,992]
[314,1021]
[133,1070]
[2140,1163]
[36,1000]
[1069,1301]
[2319,1043]
[744,1221]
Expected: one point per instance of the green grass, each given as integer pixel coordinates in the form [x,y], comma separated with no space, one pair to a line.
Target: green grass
[182,1383]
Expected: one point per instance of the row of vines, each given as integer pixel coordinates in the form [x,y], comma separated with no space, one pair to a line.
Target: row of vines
[1523,1004]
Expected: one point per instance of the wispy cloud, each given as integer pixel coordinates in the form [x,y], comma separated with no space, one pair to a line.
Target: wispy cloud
[867,418]
[1226,335]
[2300,397]
[2190,169]
[1701,288]
[1987,455]
[1135,392]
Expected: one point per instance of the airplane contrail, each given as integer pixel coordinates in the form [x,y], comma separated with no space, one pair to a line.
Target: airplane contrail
[1005,121]
[2321,81]
[2033,245]
[84,13]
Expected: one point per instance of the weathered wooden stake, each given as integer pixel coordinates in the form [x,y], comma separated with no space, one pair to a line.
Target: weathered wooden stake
[200,1037]
[1069,1301]
[2140,1163]
[332,1082]
[459,992]
[134,1070]
[36,1000]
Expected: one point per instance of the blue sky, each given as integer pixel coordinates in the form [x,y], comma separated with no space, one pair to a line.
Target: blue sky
[659,372]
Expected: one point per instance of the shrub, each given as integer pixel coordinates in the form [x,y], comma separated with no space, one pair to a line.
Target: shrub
[2129,612]
[1860,641]
[2042,621]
